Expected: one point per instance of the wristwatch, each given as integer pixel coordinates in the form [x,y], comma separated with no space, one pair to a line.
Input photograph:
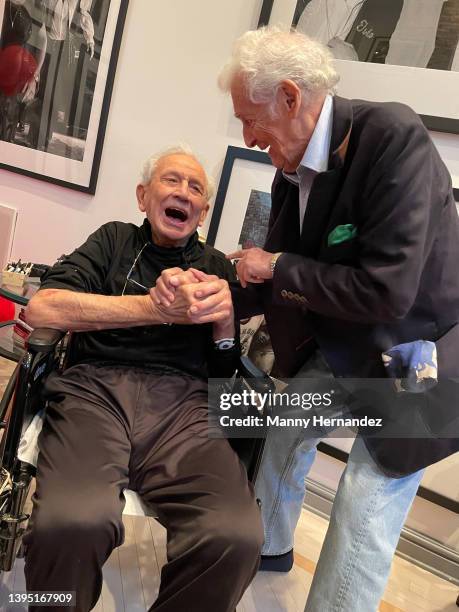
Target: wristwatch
[224,344]
[272,263]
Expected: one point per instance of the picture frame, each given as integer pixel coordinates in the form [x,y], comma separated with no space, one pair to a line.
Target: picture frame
[233,195]
[417,87]
[57,134]
[244,171]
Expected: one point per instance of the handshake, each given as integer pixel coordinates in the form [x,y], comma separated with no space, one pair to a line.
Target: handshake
[194,297]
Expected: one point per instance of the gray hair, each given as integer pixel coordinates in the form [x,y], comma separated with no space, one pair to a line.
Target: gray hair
[267,56]
[150,165]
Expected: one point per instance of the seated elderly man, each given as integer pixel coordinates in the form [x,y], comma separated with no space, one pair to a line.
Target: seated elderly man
[132,410]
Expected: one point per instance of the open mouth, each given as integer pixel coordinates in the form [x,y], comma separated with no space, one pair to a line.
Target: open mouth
[176,214]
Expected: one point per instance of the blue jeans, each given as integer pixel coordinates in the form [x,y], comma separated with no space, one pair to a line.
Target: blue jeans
[368,514]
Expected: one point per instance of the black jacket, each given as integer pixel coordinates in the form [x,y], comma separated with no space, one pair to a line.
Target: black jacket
[395,281]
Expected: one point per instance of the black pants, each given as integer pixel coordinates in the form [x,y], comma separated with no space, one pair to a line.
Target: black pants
[108,428]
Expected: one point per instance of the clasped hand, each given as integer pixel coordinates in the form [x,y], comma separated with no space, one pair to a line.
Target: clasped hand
[200,297]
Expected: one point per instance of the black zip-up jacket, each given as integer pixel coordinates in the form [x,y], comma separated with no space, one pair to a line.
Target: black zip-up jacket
[119,258]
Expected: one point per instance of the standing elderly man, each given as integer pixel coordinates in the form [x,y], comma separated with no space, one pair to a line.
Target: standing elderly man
[363,233]
[132,410]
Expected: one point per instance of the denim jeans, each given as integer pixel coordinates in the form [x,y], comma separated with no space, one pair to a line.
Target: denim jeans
[368,514]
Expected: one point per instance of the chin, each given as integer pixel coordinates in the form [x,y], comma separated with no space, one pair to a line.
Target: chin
[278,161]
[179,236]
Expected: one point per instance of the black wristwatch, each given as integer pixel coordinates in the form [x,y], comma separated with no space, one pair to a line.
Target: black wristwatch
[224,344]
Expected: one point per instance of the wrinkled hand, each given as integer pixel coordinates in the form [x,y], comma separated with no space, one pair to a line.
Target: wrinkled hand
[166,285]
[253,266]
[208,298]
[213,304]
[199,302]
[178,311]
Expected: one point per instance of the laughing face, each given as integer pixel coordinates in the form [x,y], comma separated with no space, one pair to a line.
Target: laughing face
[175,200]
[285,135]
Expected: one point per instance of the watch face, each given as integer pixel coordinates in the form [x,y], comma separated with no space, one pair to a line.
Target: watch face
[223,345]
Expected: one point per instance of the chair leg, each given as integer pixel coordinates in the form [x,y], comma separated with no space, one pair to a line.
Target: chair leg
[21,551]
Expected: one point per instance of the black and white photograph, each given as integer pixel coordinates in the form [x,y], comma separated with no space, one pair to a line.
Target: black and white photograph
[54,65]
[386,50]
[418,33]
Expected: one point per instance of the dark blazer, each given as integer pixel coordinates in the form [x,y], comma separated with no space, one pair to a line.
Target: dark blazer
[395,281]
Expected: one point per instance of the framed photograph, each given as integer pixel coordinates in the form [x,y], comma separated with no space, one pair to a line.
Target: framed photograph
[57,66]
[242,205]
[243,201]
[397,50]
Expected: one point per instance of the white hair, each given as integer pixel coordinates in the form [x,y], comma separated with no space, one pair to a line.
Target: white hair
[267,56]
[150,165]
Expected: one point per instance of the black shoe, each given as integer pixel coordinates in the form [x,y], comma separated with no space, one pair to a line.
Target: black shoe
[276,563]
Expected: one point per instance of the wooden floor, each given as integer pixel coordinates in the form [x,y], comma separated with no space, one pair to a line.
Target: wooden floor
[131,575]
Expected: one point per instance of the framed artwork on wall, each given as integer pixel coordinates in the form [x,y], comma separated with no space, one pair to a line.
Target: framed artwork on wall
[397,50]
[242,205]
[243,202]
[57,67]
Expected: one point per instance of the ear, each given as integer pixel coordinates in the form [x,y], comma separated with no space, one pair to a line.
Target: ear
[203,215]
[290,96]
[140,193]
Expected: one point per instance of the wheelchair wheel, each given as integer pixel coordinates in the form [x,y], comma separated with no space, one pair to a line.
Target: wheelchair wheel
[13,520]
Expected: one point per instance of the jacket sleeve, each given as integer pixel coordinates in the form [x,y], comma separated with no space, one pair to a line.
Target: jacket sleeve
[248,302]
[401,208]
[86,269]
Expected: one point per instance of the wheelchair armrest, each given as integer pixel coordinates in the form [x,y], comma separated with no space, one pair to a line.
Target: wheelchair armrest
[44,340]
[259,380]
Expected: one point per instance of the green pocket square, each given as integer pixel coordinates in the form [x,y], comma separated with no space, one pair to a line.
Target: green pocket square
[341,233]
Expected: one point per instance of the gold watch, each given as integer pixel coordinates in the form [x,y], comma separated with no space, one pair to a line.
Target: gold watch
[272,263]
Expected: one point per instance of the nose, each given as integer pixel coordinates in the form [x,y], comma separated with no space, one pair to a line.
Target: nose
[248,136]
[183,189]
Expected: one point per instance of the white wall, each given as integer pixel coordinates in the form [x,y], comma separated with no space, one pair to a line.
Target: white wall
[165,91]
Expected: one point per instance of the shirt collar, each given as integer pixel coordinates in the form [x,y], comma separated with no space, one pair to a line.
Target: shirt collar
[318,150]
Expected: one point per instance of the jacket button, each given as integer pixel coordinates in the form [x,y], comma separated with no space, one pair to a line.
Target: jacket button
[289,295]
[284,293]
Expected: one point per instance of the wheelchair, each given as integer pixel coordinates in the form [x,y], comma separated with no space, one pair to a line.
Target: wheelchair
[48,350]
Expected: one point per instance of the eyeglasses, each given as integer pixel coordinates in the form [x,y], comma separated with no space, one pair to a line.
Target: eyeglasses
[129,278]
